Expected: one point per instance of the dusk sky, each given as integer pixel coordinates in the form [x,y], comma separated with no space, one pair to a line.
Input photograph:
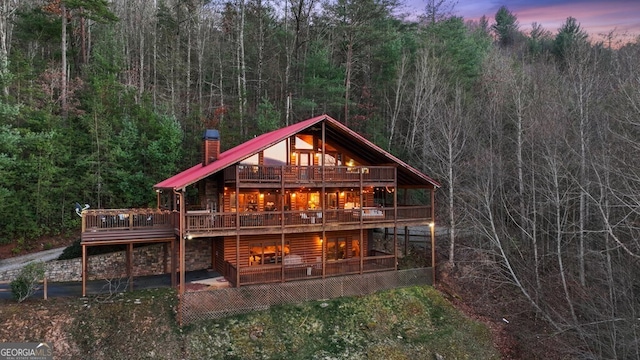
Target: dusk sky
[595,17]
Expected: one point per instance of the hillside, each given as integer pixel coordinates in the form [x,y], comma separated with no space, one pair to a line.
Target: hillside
[410,323]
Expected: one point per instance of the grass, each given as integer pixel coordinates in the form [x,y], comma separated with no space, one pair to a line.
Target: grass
[410,323]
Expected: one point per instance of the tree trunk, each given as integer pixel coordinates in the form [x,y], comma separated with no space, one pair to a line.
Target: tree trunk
[347,81]
[63,74]
[242,76]
[397,99]
[6,16]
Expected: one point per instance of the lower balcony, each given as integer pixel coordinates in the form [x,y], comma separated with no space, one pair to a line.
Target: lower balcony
[302,271]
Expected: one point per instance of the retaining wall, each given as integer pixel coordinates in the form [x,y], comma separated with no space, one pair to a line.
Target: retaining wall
[147,260]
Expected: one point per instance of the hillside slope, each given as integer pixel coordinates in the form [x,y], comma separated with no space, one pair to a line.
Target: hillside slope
[410,323]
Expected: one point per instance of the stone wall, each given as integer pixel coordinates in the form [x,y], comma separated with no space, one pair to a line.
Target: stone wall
[147,260]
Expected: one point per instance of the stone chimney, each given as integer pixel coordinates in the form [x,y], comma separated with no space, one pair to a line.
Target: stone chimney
[210,146]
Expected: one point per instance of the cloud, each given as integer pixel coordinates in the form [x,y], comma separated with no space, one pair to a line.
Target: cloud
[595,17]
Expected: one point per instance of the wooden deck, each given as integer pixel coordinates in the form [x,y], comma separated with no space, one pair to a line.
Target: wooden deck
[123,226]
[294,176]
[290,272]
[103,226]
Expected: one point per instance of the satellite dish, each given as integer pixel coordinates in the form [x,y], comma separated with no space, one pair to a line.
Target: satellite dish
[80,208]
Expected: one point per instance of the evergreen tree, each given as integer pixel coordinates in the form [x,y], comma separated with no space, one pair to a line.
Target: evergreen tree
[506,27]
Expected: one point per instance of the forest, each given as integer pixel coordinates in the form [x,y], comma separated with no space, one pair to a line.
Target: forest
[534,133]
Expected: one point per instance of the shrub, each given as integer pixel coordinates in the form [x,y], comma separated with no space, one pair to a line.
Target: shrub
[72,251]
[75,250]
[27,282]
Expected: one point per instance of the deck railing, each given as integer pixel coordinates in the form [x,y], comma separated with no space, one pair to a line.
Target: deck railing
[414,212]
[263,274]
[298,174]
[125,219]
[205,221]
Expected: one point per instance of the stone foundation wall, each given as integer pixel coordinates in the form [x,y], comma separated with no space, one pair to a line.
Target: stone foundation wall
[147,260]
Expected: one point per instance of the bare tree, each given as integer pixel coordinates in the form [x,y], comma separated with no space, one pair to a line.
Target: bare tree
[426,95]
[582,63]
[7,11]
[444,143]
[241,67]
[437,10]
[398,95]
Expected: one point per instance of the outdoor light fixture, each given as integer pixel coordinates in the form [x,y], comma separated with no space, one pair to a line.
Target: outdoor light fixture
[432,224]
[189,237]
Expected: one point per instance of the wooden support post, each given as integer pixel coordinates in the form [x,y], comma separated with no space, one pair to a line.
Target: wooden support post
[84,270]
[213,254]
[433,233]
[237,226]
[282,273]
[362,199]
[165,263]
[173,264]
[395,245]
[181,238]
[406,241]
[130,265]
[182,265]
[395,213]
[238,259]
[45,287]
[432,226]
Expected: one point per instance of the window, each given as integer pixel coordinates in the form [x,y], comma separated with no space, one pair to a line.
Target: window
[331,159]
[270,202]
[342,248]
[276,155]
[303,142]
[314,200]
[270,252]
[246,202]
[252,160]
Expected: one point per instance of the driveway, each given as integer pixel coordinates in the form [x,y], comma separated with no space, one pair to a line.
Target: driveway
[20,261]
[94,287]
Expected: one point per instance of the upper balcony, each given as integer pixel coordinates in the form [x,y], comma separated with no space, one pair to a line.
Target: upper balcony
[276,176]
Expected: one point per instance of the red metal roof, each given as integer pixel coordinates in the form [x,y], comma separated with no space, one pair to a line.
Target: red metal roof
[264,141]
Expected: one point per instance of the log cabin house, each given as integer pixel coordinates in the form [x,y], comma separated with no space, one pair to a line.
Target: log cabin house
[296,203]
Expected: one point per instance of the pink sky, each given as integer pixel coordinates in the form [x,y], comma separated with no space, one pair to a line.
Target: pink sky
[594,17]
